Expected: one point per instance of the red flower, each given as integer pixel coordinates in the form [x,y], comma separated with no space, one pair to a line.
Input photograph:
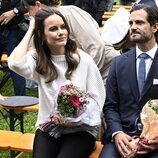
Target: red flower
[75,101]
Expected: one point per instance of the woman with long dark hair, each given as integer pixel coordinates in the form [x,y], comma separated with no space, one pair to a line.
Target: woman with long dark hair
[54,62]
[84,29]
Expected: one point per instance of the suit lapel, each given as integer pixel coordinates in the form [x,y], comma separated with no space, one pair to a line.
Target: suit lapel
[131,73]
[153,73]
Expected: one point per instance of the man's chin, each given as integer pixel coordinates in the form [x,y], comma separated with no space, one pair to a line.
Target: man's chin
[136,39]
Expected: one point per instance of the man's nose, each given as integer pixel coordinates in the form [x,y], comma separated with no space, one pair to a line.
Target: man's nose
[133,26]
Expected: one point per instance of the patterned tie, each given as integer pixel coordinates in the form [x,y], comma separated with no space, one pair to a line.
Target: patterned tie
[142,71]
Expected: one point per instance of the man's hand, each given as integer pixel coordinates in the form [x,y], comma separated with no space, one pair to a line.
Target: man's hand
[149,146]
[122,143]
[6,17]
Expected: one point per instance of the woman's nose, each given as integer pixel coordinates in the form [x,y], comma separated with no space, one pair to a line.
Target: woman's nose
[60,31]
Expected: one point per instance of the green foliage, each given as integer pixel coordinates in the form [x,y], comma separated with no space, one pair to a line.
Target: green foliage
[153,106]
[29,117]
[66,108]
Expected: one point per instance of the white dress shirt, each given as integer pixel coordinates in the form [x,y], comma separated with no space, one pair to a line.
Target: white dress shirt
[151,53]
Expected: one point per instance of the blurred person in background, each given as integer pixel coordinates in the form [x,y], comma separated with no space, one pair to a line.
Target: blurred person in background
[94,7]
[126,2]
[11,14]
[83,29]
[153,3]
[68,2]
[116,31]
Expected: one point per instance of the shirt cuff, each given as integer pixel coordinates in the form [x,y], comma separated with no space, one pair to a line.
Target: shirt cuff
[112,140]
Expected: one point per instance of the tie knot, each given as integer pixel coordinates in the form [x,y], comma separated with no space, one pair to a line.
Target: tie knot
[143,56]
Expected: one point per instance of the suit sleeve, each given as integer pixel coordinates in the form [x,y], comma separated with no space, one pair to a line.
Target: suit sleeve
[111,107]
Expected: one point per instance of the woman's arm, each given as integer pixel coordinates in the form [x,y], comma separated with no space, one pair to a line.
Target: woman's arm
[21,59]
[21,50]
[95,88]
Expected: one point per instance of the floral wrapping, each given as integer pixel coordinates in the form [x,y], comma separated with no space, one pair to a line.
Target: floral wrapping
[149,119]
[71,103]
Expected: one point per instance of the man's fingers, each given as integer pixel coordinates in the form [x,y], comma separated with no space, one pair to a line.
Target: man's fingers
[122,147]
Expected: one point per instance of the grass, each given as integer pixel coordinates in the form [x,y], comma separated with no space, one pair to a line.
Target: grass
[29,117]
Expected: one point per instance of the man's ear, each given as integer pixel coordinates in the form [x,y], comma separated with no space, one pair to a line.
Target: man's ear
[155,27]
[38,4]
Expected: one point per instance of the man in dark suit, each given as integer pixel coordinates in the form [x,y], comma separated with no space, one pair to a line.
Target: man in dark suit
[125,98]
[94,7]
[11,14]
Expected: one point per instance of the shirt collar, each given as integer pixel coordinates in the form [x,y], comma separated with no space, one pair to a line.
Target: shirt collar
[151,52]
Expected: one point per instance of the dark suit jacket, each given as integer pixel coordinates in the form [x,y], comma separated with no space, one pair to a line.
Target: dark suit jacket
[123,103]
[7,5]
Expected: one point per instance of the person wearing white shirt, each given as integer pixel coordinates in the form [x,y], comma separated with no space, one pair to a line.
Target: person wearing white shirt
[53,62]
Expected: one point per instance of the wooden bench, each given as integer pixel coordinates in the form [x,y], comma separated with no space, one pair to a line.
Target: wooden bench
[7,138]
[115,7]
[109,14]
[4,57]
[17,141]
[96,152]
[4,68]
[24,143]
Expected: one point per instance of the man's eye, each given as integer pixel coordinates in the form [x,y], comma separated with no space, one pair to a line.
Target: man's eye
[130,23]
[139,22]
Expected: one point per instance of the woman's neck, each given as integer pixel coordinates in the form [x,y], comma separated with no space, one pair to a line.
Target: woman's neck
[58,51]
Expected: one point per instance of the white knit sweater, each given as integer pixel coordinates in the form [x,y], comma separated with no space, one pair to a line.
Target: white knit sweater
[86,76]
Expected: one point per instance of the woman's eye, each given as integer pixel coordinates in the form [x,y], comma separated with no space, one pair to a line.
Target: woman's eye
[53,29]
[63,27]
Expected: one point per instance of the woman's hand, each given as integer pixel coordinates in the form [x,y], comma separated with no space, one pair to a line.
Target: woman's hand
[56,118]
[149,146]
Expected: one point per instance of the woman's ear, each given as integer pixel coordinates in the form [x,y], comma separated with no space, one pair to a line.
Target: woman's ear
[43,39]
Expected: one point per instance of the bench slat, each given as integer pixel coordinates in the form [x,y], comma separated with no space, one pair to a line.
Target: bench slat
[96,152]
[24,144]
[7,138]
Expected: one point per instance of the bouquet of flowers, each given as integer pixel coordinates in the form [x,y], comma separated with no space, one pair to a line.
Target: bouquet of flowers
[149,119]
[71,104]
[71,101]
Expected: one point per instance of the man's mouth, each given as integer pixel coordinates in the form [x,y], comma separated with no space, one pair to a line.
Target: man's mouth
[135,33]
